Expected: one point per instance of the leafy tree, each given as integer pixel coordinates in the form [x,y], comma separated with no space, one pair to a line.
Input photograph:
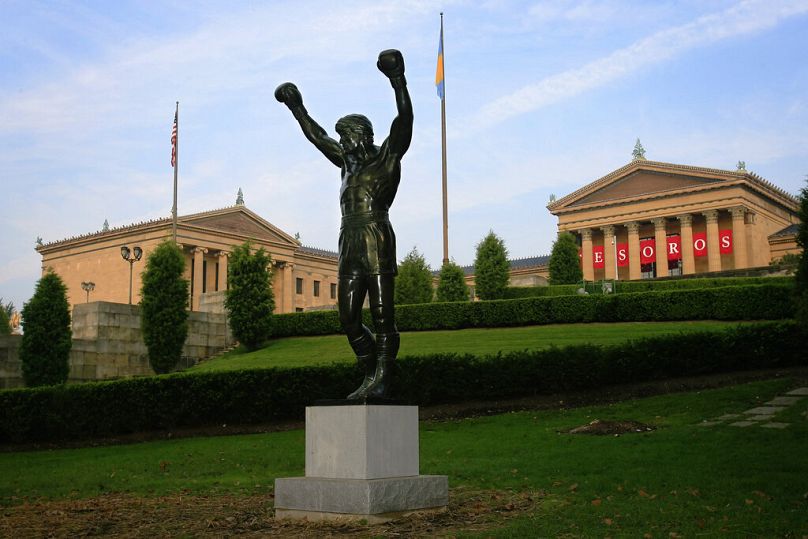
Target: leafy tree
[5,323]
[801,275]
[452,283]
[46,343]
[249,298]
[491,267]
[7,307]
[414,280]
[163,314]
[565,266]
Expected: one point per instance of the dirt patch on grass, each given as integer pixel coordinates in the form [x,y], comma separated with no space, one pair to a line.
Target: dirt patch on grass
[611,428]
[117,515]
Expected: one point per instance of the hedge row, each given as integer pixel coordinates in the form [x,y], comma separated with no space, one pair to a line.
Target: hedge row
[770,301]
[258,396]
[515,292]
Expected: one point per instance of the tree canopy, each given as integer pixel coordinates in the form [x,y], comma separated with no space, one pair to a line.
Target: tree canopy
[565,266]
[414,280]
[491,267]
[249,298]
[46,343]
[452,283]
[801,276]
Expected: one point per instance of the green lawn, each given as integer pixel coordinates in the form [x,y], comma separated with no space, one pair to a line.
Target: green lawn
[305,351]
[682,479]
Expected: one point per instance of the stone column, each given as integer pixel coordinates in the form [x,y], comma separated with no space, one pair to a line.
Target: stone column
[713,252]
[661,247]
[222,283]
[634,269]
[608,251]
[288,288]
[688,260]
[199,256]
[586,254]
[739,237]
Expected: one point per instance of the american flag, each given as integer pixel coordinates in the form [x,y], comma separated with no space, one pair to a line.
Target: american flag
[174,142]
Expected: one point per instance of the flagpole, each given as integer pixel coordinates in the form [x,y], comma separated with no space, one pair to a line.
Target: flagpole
[443,151]
[176,165]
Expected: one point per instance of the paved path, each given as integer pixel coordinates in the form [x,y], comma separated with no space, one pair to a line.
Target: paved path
[761,416]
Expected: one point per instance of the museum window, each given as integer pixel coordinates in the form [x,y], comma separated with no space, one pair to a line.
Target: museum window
[299,285]
[316,289]
[298,309]
[333,291]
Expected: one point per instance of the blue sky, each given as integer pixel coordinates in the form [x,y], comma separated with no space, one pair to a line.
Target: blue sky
[542,98]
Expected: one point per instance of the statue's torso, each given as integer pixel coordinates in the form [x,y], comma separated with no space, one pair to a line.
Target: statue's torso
[370,186]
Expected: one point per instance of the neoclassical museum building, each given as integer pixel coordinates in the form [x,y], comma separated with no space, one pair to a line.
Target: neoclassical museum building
[651,219]
[94,268]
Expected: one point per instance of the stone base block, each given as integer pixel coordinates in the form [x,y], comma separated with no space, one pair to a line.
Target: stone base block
[318,498]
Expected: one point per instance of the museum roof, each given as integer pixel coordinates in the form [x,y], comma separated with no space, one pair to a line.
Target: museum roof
[640,164]
[182,219]
[790,230]
[517,263]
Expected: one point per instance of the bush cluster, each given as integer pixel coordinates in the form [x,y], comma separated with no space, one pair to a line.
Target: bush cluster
[769,301]
[265,395]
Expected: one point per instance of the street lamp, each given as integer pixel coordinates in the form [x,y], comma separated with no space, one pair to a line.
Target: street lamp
[131,256]
[88,287]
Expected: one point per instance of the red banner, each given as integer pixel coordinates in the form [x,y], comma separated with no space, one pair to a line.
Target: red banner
[699,244]
[647,251]
[674,248]
[622,255]
[597,256]
[725,241]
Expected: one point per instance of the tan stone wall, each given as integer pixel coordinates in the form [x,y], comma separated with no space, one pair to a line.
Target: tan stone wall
[107,343]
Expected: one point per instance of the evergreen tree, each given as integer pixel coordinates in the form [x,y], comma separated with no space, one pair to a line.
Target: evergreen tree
[46,343]
[5,323]
[163,314]
[565,266]
[249,298]
[801,276]
[452,283]
[491,268]
[414,280]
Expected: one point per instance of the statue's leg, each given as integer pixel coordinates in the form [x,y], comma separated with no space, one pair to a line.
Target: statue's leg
[380,289]
[350,298]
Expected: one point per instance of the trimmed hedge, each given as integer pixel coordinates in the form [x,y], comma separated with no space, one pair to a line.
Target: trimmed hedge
[264,395]
[769,301]
[516,292]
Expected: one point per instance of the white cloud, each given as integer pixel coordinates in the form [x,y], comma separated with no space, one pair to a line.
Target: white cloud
[742,18]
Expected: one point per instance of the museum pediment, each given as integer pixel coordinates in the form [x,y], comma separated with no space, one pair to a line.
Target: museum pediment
[243,222]
[642,182]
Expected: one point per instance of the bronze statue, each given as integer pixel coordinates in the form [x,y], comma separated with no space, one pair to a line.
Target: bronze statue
[367,244]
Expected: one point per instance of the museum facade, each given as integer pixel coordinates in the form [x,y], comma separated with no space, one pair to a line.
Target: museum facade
[94,268]
[651,219]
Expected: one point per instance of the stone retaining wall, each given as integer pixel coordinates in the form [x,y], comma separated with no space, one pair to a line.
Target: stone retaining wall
[107,343]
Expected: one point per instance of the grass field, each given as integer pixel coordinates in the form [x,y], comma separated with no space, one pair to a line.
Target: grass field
[682,479]
[305,351]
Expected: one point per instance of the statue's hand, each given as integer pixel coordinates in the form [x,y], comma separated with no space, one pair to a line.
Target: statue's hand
[288,94]
[391,63]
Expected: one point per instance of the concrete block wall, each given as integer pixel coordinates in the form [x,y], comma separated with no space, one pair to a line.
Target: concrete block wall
[107,343]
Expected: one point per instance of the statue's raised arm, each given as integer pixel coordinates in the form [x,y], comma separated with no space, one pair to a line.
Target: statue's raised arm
[288,94]
[391,63]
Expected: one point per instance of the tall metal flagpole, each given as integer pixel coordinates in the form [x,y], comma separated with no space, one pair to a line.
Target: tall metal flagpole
[175,149]
[442,93]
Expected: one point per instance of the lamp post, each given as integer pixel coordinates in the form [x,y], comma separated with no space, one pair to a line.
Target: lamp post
[88,286]
[131,256]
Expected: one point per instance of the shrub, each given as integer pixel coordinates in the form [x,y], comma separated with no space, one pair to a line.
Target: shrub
[262,395]
[46,342]
[565,266]
[414,280]
[163,314]
[801,276]
[491,268]
[249,299]
[452,283]
[5,323]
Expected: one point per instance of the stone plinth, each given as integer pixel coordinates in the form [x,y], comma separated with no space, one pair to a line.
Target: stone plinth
[361,463]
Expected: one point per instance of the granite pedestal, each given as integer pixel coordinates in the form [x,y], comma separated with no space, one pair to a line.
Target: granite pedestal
[361,463]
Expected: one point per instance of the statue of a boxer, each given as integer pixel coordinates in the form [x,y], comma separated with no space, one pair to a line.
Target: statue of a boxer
[367,244]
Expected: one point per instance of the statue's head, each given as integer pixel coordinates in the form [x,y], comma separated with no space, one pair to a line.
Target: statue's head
[354,131]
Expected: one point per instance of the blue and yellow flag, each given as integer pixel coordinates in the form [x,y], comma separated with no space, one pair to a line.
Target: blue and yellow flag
[439,83]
